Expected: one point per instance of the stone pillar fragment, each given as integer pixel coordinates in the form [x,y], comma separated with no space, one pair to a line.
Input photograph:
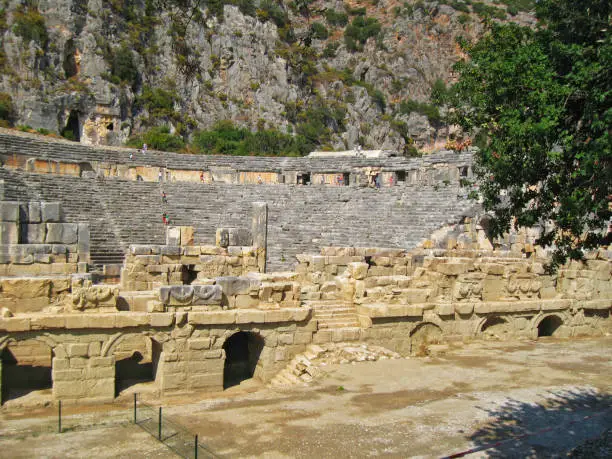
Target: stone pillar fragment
[259,232]
[83,242]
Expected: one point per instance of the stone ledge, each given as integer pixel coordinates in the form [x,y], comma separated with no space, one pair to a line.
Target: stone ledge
[381,310]
[244,316]
[604,303]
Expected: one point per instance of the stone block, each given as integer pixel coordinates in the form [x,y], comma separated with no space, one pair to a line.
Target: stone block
[285,338]
[278,315]
[211,318]
[15,324]
[173,235]
[322,336]
[186,235]
[302,338]
[83,235]
[246,302]
[47,322]
[358,271]
[259,224]
[233,285]
[131,319]
[67,375]
[199,344]
[212,380]
[165,319]
[192,250]
[51,212]
[78,350]
[250,316]
[452,269]
[464,308]
[170,250]
[445,309]
[33,233]
[78,362]
[9,233]
[300,314]
[62,233]
[34,215]
[9,211]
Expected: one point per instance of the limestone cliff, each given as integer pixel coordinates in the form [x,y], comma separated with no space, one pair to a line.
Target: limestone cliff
[338,73]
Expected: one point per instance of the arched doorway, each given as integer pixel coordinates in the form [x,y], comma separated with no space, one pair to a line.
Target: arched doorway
[26,368]
[495,327]
[421,336]
[549,326]
[242,352]
[136,359]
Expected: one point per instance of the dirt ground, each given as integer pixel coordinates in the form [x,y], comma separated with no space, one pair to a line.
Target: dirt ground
[539,398]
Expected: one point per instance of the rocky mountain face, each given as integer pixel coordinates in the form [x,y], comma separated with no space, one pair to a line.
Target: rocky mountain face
[336,73]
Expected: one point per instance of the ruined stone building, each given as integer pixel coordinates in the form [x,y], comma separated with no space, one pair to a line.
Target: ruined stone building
[257,259]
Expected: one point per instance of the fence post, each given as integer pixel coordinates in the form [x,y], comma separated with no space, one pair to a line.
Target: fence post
[159,436]
[59,417]
[195,454]
[135,409]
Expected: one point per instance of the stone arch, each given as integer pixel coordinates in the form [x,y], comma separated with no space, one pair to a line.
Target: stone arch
[422,335]
[550,325]
[494,326]
[27,364]
[242,352]
[136,359]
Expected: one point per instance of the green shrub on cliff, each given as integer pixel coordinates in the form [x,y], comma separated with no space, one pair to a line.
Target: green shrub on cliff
[29,24]
[358,32]
[228,139]
[123,66]
[158,138]
[7,109]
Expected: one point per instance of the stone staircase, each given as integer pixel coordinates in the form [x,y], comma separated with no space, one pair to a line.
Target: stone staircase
[334,314]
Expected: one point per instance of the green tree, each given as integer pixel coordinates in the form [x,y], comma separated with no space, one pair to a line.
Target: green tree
[541,100]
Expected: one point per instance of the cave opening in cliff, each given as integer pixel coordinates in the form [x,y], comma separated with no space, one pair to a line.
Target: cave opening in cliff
[70,63]
[72,130]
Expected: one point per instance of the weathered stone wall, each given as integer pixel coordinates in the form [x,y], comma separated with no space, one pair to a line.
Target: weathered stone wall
[149,267]
[458,295]
[86,348]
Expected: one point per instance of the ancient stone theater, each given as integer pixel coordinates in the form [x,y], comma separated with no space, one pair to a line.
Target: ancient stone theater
[194,273]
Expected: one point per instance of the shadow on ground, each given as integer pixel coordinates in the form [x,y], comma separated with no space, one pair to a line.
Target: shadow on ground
[552,428]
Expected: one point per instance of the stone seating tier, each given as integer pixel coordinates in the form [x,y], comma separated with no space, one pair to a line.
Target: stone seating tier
[33,146]
[301,219]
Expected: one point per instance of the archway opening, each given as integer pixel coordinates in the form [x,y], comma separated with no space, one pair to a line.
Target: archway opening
[494,327]
[188,274]
[26,369]
[549,326]
[242,351]
[422,336]
[136,360]
[72,130]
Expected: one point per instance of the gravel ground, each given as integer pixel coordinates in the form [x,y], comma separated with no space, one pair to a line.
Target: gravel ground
[545,398]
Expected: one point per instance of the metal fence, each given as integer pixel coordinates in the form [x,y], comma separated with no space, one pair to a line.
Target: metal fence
[176,437]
